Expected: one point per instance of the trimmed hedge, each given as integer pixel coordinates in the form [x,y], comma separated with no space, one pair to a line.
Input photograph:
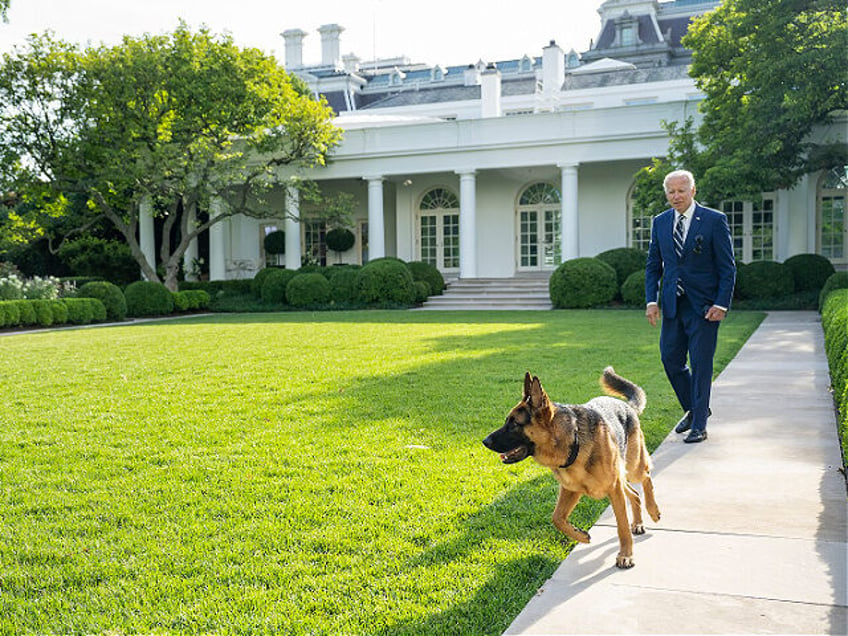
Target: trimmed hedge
[148,298]
[633,289]
[191,299]
[625,261]
[385,280]
[764,280]
[110,295]
[581,283]
[308,290]
[82,311]
[809,271]
[835,326]
[838,280]
[343,284]
[429,274]
[48,313]
[274,285]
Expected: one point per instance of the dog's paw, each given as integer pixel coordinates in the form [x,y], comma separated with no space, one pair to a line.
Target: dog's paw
[655,515]
[582,537]
[637,528]
[624,562]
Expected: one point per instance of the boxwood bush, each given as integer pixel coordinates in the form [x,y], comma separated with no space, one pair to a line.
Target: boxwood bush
[764,280]
[625,261]
[835,326]
[274,285]
[60,312]
[837,280]
[385,280]
[429,274]
[343,284]
[81,311]
[259,280]
[27,312]
[308,290]
[633,289]
[422,291]
[809,271]
[11,313]
[582,282]
[148,298]
[110,295]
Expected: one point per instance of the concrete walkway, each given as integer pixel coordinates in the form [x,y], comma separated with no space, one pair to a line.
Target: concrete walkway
[754,523]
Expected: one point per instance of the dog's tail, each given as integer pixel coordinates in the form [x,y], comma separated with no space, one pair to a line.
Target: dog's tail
[614,384]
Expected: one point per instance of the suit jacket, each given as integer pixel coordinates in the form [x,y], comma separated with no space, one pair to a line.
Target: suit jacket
[707,268]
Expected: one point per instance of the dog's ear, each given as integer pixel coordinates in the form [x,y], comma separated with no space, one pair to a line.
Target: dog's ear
[534,394]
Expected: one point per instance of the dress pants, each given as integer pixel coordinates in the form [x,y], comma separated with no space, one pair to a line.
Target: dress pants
[690,334]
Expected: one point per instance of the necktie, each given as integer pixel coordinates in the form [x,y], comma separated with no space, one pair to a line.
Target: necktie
[678,245]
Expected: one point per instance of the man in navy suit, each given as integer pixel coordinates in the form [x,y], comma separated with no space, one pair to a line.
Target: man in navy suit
[691,253]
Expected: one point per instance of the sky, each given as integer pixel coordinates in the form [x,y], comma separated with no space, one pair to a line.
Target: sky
[446,32]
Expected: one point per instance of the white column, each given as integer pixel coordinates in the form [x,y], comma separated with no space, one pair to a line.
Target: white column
[217,243]
[293,249]
[467,224]
[569,223]
[376,224]
[146,233]
[191,253]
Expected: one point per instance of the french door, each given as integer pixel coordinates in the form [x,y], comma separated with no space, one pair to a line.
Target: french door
[539,238]
[438,240]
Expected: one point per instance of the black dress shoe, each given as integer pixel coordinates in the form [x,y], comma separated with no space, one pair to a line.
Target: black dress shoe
[695,437]
[685,423]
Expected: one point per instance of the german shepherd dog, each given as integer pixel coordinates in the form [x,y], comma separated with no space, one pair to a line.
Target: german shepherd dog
[593,449]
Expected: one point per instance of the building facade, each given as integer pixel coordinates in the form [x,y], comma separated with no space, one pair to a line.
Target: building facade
[497,169]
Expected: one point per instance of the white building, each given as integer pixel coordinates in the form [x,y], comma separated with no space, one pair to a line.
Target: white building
[498,168]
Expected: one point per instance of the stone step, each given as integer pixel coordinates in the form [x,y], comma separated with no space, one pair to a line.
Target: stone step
[521,293]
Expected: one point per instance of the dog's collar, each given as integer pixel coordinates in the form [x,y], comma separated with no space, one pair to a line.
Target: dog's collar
[572,456]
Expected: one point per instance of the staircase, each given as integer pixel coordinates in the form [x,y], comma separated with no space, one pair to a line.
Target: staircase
[524,292]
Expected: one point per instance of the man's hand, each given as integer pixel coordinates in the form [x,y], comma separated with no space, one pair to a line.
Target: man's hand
[652,313]
[715,314]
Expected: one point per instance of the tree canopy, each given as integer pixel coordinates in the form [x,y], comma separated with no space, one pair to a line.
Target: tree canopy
[171,122]
[771,70]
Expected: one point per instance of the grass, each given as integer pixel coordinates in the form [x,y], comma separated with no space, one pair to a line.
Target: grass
[293,473]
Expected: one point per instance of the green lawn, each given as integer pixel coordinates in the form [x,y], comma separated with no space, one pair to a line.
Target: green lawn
[294,473]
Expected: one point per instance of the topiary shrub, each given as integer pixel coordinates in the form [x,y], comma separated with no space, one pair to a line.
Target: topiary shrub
[81,310]
[60,312]
[43,312]
[633,289]
[148,298]
[764,280]
[422,291]
[110,295]
[809,271]
[581,283]
[625,261]
[429,274]
[385,280]
[308,290]
[12,314]
[343,284]
[259,280]
[340,239]
[275,242]
[275,283]
[837,280]
[27,313]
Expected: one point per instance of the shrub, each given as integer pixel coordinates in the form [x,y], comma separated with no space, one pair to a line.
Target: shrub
[340,239]
[37,288]
[11,312]
[180,301]
[429,274]
[11,288]
[274,286]
[422,291]
[835,327]
[110,295]
[581,283]
[837,280]
[100,258]
[809,271]
[43,312]
[27,313]
[343,284]
[148,298]
[308,290]
[60,312]
[198,299]
[385,280]
[275,242]
[236,286]
[764,279]
[625,261]
[633,289]
[259,280]
[81,310]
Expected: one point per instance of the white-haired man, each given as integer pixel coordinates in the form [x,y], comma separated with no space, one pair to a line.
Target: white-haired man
[691,254]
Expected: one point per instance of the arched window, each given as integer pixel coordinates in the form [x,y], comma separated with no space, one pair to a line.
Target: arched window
[832,221]
[439,198]
[539,219]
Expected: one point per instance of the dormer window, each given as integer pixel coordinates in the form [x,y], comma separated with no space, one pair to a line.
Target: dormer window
[396,77]
[438,74]
[626,30]
[525,65]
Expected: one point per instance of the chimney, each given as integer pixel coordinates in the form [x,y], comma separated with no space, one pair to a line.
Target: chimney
[490,92]
[330,50]
[351,63]
[294,48]
[553,69]
[471,75]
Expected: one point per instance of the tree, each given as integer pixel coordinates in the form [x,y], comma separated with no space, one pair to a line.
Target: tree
[168,123]
[4,9]
[771,70]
